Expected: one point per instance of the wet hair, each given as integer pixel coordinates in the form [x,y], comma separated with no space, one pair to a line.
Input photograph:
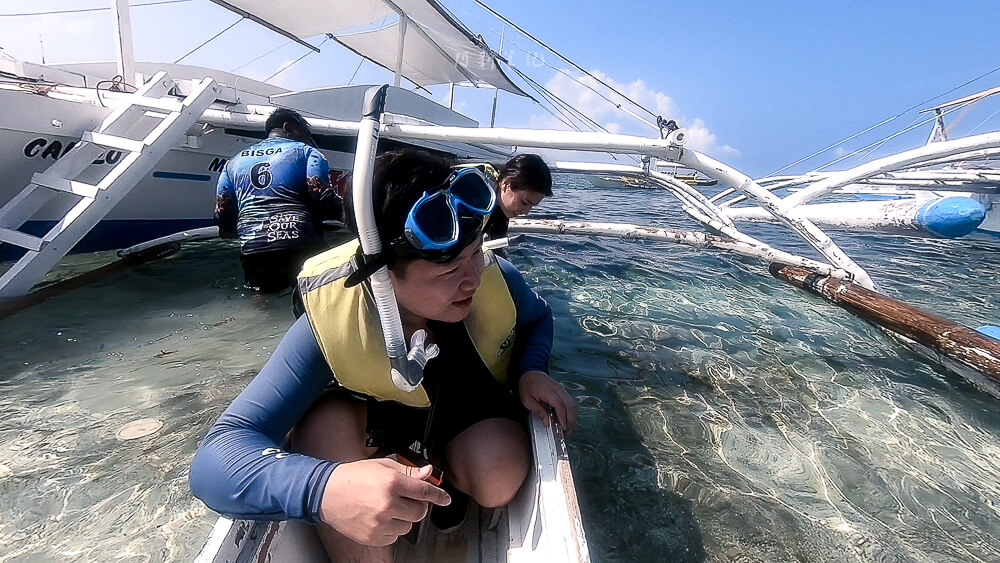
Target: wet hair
[400,179]
[281,116]
[527,172]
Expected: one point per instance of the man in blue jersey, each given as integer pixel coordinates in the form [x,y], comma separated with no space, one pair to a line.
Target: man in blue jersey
[307,438]
[274,196]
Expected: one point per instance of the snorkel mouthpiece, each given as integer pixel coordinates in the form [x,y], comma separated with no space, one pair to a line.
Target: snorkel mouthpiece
[406,375]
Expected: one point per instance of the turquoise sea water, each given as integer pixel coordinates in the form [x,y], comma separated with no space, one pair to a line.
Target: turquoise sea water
[725,416]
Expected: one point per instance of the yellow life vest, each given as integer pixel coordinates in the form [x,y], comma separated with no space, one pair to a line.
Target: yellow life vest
[486,168]
[347,329]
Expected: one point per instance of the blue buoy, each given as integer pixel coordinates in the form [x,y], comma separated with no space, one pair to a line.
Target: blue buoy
[951,217]
[990,330]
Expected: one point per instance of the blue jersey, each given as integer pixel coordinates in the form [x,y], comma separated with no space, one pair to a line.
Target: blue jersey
[242,469]
[274,194]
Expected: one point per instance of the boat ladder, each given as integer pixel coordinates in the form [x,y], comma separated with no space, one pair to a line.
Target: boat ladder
[146,125]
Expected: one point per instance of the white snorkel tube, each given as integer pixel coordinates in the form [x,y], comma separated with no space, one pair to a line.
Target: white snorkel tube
[407,368]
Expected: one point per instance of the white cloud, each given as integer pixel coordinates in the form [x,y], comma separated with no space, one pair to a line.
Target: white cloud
[603,111]
[839,152]
[701,139]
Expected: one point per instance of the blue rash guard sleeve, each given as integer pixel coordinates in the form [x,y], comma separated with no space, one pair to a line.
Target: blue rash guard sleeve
[316,164]
[534,323]
[241,470]
[320,189]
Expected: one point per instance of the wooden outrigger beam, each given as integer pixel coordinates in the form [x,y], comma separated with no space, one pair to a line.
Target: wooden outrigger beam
[948,340]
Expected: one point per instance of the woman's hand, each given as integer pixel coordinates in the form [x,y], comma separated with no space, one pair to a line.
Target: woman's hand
[374,501]
[537,390]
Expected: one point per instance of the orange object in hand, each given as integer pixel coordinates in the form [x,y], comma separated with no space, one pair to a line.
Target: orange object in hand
[437,475]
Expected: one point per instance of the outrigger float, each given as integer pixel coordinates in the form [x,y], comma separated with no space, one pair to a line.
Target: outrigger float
[543,523]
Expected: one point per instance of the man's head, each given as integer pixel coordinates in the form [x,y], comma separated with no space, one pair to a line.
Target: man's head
[287,123]
[431,283]
[524,182]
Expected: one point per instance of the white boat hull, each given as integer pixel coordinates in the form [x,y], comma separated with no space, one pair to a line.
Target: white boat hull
[42,122]
[178,194]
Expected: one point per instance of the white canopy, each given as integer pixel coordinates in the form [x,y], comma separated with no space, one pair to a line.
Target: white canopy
[437,48]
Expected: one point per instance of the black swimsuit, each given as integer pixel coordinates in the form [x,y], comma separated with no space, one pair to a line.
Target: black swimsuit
[462,392]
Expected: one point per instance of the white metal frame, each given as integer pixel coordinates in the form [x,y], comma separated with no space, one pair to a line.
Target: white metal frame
[159,120]
[711,212]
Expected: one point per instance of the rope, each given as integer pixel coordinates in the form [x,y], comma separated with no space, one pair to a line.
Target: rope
[558,103]
[116,83]
[877,144]
[882,141]
[361,62]
[289,65]
[883,122]
[210,39]
[262,56]
[992,115]
[563,57]
[552,113]
[591,88]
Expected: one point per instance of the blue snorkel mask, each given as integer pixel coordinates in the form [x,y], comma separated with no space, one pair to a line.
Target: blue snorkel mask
[441,224]
[443,219]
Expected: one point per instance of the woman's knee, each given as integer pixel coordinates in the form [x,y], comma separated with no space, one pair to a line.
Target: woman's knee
[490,461]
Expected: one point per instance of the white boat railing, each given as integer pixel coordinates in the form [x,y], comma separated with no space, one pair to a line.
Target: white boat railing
[987,144]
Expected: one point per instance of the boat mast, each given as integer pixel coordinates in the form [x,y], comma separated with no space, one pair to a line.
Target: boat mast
[496,90]
[938,133]
[123,34]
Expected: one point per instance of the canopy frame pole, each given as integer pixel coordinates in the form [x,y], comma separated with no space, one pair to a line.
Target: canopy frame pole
[581,69]
[437,47]
[496,91]
[123,47]
[403,20]
[265,24]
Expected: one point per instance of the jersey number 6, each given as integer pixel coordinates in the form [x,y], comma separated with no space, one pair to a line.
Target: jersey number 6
[260,175]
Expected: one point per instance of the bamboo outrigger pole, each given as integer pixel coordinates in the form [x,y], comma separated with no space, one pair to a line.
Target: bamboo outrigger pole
[967,348]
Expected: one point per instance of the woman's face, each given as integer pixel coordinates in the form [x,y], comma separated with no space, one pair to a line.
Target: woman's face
[442,292]
[517,202]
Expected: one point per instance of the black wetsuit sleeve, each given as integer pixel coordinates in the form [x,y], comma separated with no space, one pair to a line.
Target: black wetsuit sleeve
[226,207]
[241,470]
[497,224]
[534,323]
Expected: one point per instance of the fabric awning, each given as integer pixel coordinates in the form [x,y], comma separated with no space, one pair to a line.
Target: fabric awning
[437,48]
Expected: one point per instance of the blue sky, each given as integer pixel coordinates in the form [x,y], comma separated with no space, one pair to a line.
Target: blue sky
[759,84]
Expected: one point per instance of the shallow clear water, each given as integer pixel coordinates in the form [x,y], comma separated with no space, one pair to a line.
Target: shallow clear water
[725,416]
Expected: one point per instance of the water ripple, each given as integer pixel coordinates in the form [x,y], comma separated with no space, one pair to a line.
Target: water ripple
[724,416]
